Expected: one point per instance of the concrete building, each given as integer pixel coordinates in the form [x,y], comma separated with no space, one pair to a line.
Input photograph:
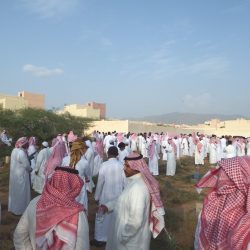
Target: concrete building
[100,106]
[12,102]
[90,110]
[34,100]
[81,111]
[22,100]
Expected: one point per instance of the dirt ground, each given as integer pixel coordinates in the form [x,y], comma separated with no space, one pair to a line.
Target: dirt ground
[182,204]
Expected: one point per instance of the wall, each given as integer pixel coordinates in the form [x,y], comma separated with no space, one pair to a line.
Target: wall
[12,102]
[109,126]
[34,100]
[134,127]
[231,127]
[82,111]
[234,127]
[101,107]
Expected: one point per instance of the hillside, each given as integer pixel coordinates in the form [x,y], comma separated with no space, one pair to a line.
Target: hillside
[187,118]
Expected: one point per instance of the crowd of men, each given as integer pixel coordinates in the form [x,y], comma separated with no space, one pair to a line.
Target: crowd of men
[130,209]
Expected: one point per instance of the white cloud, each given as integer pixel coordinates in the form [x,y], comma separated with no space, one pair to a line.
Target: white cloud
[41,71]
[50,8]
[199,102]
[211,65]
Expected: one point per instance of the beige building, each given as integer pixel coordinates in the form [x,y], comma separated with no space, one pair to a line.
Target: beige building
[230,127]
[34,100]
[22,100]
[12,102]
[91,110]
[85,111]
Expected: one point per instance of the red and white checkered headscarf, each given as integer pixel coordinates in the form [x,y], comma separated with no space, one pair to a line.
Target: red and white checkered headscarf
[99,148]
[21,142]
[157,209]
[119,137]
[151,149]
[57,211]
[225,217]
[55,159]
[72,137]
[32,141]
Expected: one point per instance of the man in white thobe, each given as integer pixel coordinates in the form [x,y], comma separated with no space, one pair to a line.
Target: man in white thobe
[230,150]
[153,161]
[248,146]
[199,152]
[138,211]
[171,157]
[90,156]
[144,146]
[54,220]
[212,151]
[223,143]
[184,146]
[4,138]
[39,177]
[122,151]
[111,181]
[19,184]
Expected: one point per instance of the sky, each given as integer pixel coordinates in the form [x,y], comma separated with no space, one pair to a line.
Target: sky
[140,57]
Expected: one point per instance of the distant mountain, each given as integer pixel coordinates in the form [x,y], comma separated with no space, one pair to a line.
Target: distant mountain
[188,118]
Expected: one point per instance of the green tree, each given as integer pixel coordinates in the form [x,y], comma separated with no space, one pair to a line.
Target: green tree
[43,124]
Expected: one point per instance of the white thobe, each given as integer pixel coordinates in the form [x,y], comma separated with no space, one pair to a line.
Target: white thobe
[184,147]
[107,141]
[178,150]
[164,152]
[129,224]
[223,143]
[191,146]
[248,148]
[122,154]
[198,156]
[90,156]
[171,162]
[140,142]
[212,153]
[32,151]
[19,184]
[144,148]
[39,178]
[230,151]
[133,144]
[24,235]
[111,181]
[153,162]
[97,164]
[240,149]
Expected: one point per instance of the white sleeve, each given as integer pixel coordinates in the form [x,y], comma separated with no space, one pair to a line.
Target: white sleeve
[99,186]
[39,160]
[82,240]
[21,236]
[23,159]
[197,233]
[136,211]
